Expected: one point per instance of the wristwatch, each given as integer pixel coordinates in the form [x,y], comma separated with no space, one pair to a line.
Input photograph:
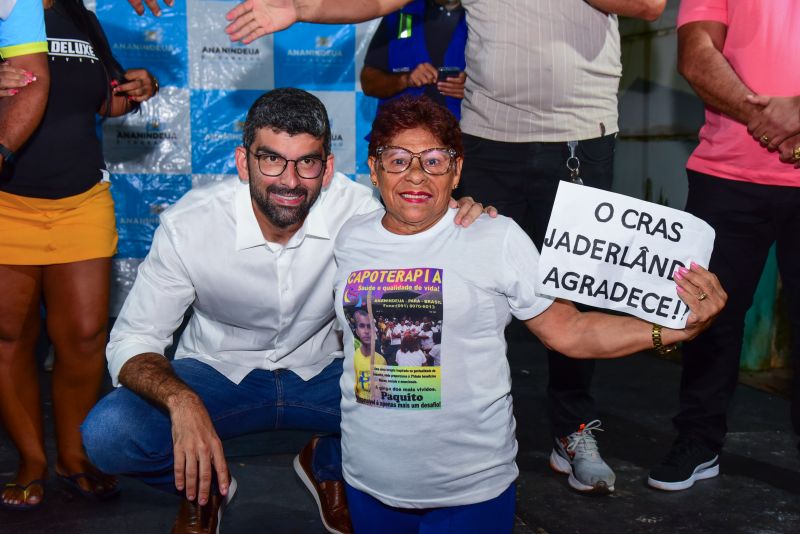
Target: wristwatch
[7,153]
[657,344]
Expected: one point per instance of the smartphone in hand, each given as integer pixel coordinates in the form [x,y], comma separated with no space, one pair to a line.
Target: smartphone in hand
[448,72]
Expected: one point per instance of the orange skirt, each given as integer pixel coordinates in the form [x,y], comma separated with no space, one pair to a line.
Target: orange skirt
[41,231]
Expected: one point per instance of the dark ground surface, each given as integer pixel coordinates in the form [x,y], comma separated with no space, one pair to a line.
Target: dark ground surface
[758,490]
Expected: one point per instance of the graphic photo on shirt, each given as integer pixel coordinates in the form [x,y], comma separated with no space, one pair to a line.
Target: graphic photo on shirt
[396,319]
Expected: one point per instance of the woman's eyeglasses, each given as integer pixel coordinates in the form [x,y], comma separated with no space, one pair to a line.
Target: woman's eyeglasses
[435,161]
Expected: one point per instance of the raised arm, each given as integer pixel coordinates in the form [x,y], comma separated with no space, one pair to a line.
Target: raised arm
[256,18]
[601,335]
[638,9]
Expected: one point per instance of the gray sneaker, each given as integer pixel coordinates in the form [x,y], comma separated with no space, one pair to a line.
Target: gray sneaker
[577,455]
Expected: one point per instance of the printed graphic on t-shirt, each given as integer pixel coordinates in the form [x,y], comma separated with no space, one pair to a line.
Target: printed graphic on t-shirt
[71,48]
[396,319]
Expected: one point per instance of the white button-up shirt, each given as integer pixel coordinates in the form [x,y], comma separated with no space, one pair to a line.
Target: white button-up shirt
[256,304]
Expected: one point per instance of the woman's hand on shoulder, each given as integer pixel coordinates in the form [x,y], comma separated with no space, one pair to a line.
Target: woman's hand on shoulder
[139,86]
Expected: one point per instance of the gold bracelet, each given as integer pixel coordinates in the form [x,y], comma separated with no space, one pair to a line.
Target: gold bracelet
[657,344]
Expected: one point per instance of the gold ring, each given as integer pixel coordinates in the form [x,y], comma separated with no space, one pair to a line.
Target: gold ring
[764,139]
[796,153]
[701,296]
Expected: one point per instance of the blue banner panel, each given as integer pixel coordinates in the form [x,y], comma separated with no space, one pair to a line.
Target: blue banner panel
[157,139]
[366,106]
[217,121]
[138,200]
[217,63]
[316,57]
[159,45]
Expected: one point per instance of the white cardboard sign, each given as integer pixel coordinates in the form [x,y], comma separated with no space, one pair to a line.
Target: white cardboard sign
[619,253]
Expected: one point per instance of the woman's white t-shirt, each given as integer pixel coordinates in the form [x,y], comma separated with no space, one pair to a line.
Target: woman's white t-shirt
[434,436]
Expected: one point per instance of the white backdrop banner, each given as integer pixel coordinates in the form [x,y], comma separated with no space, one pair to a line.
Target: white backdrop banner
[619,253]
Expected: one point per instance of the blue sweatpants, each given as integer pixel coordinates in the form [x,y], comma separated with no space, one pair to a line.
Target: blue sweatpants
[370,515]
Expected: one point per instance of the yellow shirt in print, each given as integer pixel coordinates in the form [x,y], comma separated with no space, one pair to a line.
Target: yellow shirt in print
[361,364]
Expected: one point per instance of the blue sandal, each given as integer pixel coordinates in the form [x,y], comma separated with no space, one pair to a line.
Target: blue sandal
[24,505]
[71,483]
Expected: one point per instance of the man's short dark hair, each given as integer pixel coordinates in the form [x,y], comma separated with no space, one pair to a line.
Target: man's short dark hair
[289,110]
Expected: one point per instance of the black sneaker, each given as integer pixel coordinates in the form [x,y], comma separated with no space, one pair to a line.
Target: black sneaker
[687,461]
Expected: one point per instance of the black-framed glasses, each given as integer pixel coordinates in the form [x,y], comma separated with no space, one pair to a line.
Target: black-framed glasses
[307,167]
[435,161]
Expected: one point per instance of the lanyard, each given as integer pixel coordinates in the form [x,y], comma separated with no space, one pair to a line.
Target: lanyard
[573,163]
[404,27]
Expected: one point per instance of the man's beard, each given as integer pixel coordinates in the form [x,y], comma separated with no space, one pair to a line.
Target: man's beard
[283,216]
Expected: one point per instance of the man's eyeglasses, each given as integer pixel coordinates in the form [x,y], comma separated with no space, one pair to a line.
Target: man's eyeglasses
[307,167]
[433,161]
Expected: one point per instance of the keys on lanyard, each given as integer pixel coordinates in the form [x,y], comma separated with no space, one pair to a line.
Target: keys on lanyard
[573,163]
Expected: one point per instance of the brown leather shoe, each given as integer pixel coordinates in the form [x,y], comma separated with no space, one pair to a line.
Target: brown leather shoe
[329,494]
[195,519]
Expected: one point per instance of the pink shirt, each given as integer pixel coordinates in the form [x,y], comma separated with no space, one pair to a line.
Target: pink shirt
[762,46]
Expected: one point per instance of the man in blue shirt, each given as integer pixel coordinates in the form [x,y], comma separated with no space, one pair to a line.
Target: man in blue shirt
[419,50]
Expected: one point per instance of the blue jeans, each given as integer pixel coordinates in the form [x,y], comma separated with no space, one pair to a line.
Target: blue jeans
[125,434]
[370,515]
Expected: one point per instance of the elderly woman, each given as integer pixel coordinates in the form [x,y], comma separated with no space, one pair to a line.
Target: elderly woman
[473,279]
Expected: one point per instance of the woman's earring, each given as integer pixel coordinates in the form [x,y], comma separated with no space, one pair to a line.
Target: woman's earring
[375,183]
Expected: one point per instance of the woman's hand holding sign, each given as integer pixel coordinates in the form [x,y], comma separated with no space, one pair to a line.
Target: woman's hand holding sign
[702,292]
[600,335]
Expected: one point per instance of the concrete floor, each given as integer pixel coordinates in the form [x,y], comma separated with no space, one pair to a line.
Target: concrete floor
[757,492]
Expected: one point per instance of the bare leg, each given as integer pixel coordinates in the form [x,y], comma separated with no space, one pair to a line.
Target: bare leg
[76,295]
[20,409]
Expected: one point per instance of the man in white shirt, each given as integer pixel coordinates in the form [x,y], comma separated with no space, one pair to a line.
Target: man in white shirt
[253,258]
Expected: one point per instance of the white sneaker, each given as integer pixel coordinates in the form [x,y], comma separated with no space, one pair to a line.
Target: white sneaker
[577,455]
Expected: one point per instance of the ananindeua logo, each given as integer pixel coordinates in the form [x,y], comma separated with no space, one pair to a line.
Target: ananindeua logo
[152,41]
[323,48]
[151,135]
[235,134]
[227,52]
